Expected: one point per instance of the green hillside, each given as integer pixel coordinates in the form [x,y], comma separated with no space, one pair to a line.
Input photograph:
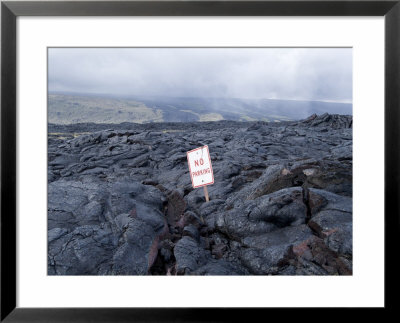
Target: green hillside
[66,109]
[74,108]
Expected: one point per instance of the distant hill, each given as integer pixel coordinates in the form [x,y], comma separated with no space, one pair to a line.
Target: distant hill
[74,108]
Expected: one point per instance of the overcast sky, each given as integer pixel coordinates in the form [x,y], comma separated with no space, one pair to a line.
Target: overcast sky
[270,73]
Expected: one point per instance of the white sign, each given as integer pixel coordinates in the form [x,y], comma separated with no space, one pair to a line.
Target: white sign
[200,167]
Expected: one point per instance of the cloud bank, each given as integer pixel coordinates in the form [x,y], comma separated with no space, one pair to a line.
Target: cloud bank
[271,73]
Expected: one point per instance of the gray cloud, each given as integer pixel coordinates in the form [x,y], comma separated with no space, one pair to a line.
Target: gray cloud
[280,73]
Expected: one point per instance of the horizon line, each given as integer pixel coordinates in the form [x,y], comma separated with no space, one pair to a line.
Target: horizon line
[191,97]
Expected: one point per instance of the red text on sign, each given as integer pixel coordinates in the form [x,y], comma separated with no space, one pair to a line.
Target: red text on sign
[201,172]
[196,162]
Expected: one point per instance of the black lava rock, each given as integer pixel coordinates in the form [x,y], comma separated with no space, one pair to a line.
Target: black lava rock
[120,199]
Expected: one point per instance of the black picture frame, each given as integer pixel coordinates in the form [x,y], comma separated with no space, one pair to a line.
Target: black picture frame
[10,10]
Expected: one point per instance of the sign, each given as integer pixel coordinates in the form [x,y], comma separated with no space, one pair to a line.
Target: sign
[200,167]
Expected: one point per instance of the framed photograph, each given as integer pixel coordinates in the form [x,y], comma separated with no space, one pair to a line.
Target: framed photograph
[160,158]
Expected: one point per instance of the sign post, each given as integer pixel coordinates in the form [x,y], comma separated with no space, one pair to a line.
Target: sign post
[200,168]
[206,193]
